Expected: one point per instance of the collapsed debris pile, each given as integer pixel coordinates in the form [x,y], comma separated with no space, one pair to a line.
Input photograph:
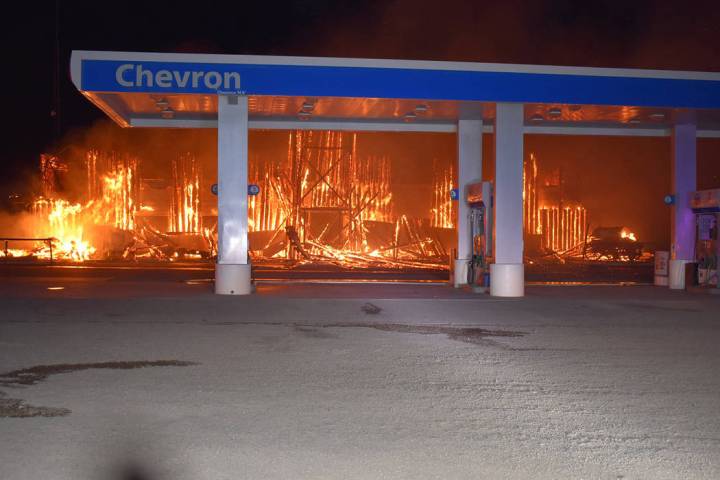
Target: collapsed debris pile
[325,204]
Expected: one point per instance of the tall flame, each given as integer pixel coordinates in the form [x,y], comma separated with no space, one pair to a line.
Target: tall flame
[561,227]
[185,201]
[444,210]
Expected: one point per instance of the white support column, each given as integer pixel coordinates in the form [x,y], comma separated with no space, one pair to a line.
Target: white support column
[684,182]
[469,137]
[232,272]
[507,274]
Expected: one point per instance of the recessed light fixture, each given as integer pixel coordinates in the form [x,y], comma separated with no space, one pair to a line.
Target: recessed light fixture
[410,116]
[421,108]
[309,104]
[554,112]
[167,113]
[657,116]
[537,118]
[634,120]
[304,113]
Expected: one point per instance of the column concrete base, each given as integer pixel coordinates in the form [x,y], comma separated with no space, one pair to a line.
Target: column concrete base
[507,279]
[232,279]
[460,272]
[676,274]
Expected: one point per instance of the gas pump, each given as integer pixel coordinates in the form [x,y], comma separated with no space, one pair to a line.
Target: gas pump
[706,207]
[480,201]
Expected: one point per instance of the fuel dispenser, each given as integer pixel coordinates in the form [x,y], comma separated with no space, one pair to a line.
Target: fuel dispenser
[480,201]
[706,207]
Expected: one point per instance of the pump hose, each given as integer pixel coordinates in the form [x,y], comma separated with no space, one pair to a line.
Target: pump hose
[471,272]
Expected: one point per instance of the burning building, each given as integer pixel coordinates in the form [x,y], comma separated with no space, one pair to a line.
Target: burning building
[556,224]
[325,201]
[553,222]
[321,202]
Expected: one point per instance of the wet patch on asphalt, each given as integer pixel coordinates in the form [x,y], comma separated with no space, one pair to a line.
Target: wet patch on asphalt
[17,408]
[474,335]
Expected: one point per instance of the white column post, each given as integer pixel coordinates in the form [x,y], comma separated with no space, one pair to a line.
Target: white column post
[684,182]
[507,274]
[232,272]
[469,138]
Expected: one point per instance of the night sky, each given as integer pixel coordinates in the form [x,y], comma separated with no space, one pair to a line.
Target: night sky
[641,33]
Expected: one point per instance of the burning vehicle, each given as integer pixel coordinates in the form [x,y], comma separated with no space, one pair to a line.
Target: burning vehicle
[613,243]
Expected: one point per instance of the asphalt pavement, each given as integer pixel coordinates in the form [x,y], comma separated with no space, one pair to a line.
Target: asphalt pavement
[127,376]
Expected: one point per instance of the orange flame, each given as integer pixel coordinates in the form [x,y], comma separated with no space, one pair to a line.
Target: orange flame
[185,207]
[628,234]
[561,227]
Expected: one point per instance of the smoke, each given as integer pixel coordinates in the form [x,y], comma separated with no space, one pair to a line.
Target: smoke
[19,224]
[679,36]
[156,148]
[607,33]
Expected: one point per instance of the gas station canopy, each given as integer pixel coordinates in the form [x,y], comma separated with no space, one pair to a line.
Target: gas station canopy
[237,93]
[181,90]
